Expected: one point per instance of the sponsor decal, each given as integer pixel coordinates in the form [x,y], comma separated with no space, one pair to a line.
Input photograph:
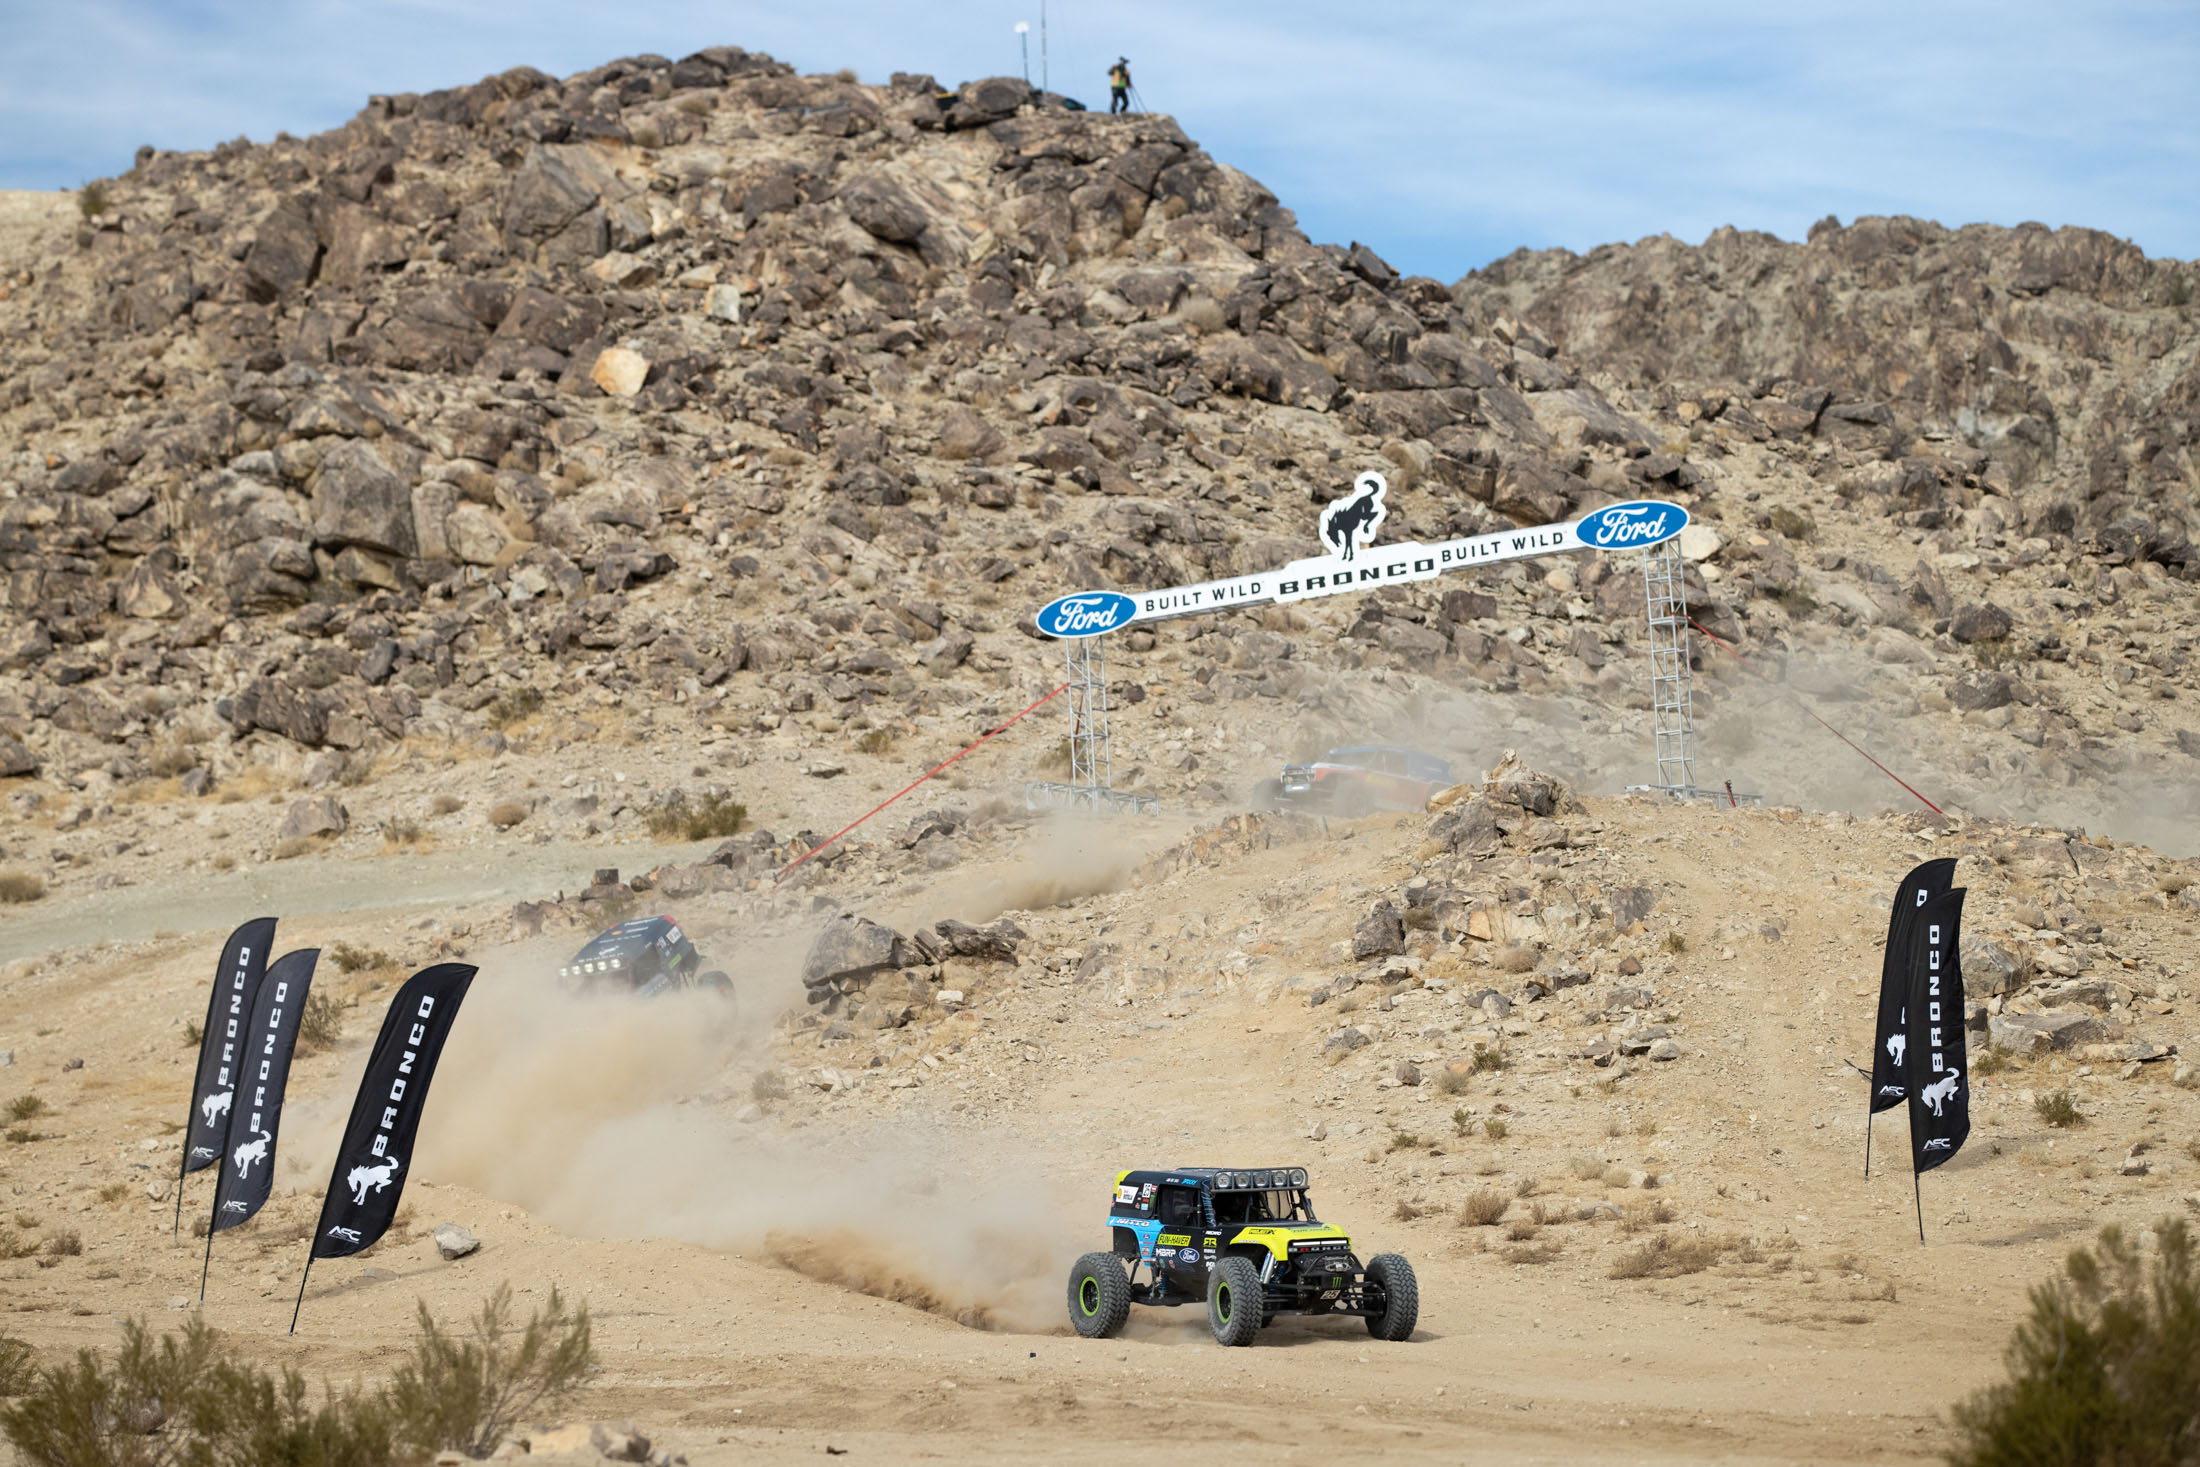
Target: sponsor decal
[1187,1256]
[1348,525]
[1086,614]
[1633,526]
[1174,1239]
[348,1235]
[1126,1196]
[1939,1143]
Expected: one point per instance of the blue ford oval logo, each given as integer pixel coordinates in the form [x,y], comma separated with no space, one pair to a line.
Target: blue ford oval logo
[1087,614]
[1634,525]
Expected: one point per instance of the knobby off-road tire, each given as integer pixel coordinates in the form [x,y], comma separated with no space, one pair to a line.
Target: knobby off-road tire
[1234,1301]
[1099,1296]
[1391,1273]
[716,981]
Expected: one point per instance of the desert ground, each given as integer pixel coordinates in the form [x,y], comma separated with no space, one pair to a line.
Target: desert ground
[874,1261]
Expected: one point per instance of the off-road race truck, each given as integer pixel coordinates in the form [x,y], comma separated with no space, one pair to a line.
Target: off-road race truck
[1247,1243]
[644,957]
[1357,780]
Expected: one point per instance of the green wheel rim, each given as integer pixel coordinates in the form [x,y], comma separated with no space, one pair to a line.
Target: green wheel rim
[1222,1303]
[1088,1295]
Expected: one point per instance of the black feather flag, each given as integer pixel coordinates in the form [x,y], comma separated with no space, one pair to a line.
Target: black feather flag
[378,1140]
[1891,1033]
[1938,1059]
[247,1172]
[228,1015]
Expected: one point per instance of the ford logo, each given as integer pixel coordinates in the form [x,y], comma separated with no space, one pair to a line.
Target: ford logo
[1087,614]
[1633,525]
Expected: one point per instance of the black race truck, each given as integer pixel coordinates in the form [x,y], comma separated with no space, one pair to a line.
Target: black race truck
[644,957]
[1247,1244]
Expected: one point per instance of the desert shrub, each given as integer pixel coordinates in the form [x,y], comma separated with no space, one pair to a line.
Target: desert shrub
[67,1244]
[446,804]
[513,707]
[1545,1251]
[1521,1230]
[1454,1082]
[92,200]
[1796,524]
[1991,1059]
[1667,1256]
[465,1392]
[1462,1124]
[1483,1208]
[2058,1109]
[1495,1129]
[321,1024]
[505,814]
[1202,315]
[114,1191]
[16,1366]
[16,1245]
[21,886]
[1403,1140]
[171,756]
[1585,1168]
[711,816]
[768,1086]
[193,1032]
[1515,958]
[1527,1186]
[180,1402]
[1488,1057]
[1636,1216]
[403,832]
[874,741]
[1995,652]
[350,959]
[2105,1369]
[1676,942]
[26,1108]
[1407,1211]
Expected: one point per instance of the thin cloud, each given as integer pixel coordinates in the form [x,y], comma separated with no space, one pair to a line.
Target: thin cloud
[1443,134]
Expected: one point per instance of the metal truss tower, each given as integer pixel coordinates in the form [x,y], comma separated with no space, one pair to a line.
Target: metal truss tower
[1091,753]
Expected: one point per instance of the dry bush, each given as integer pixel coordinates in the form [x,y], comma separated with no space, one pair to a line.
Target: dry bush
[18,1366]
[170,757]
[1585,1168]
[2172,882]
[874,741]
[1527,1186]
[26,1108]
[513,707]
[1675,943]
[2107,1367]
[1454,1082]
[2059,1110]
[1404,1140]
[17,1245]
[1201,315]
[1488,1057]
[712,816]
[296,846]
[68,1244]
[1544,1251]
[505,814]
[350,959]
[1407,1211]
[1545,1213]
[21,886]
[1462,1124]
[1514,958]
[1667,1256]
[322,1022]
[465,1392]
[446,805]
[1636,1216]
[1521,1230]
[403,832]
[92,200]
[1495,1129]
[114,1191]
[1483,1208]
[1991,1059]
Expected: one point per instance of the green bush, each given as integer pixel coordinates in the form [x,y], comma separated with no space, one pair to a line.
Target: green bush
[2058,1109]
[182,1402]
[322,1023]
[92,200]
[17,1366]
[2105,1370]
[712,816]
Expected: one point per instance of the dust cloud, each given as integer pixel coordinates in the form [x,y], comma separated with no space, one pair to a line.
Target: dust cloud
[613,1118]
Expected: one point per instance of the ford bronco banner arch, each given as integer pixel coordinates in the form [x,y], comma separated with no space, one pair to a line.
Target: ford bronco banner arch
[1358,566]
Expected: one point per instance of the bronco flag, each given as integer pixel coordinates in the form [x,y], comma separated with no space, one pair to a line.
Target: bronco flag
[228,1015]
[1889,1082]
[1937,1062]
[378,1140]
[248,1172]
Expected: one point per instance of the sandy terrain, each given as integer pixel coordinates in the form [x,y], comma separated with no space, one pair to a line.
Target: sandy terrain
[771,1280]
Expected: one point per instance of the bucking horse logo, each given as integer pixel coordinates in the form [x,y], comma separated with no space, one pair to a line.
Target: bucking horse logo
[1896,1045]
[1349,524]
[214,1107]
[364,1179]
[1941,1090]
[252,1151]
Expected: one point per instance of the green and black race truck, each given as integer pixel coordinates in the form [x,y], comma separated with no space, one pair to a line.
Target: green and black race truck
[1246,1243]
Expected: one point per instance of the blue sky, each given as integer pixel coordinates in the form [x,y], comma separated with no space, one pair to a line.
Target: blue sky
[1445,135]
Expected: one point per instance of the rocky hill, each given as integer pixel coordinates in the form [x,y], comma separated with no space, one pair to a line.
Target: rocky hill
[707,400]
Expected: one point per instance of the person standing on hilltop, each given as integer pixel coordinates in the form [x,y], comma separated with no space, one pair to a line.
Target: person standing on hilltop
[1119,86]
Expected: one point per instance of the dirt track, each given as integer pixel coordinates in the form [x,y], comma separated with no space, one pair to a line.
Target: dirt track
[615,1154]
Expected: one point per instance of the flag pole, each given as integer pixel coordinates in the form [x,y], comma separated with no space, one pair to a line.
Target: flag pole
[1917,1188]
[177,1230]
[1867,1141]
[301,1294]
[207,1262]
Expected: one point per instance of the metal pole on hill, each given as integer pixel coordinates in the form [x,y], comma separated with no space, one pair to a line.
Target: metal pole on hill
[1023,40]
[1044,84]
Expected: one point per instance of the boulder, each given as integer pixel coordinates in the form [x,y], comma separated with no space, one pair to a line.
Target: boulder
[1406,1072]
[453,1241]
[15,758]
[997,941]
[1468,828]
[884,208]
[1989,968]
[1976,623]
[281,707]
[1381,933]
[150,590]
[620,371]
[2023,1033]
[965,435]
[476,535]
[324,815]
[849,951]
[360,500]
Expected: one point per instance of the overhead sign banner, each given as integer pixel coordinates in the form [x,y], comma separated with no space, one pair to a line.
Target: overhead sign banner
[1890,1072]
[248,1172]
[1936,1058]
[1355,565]
[385,1117]
[221,1042]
